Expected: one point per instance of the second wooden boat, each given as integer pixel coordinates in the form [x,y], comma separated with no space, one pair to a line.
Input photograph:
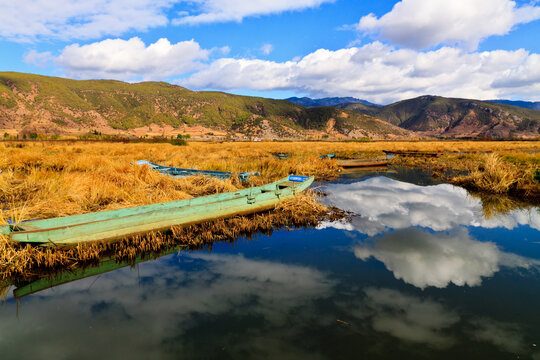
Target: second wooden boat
[180,172]
[411,153]
[115,224]
[358,163]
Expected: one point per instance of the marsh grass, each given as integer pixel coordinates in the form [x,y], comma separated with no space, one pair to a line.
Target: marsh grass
[505,172]
[495,175]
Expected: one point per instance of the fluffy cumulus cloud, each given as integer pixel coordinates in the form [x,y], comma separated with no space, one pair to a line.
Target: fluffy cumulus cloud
[67,19]
[128,59]
[382,73]
[211,11]
[421,24]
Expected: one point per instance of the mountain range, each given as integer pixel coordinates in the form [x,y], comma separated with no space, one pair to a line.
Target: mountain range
[535,105]
[329,101]
[44,105]
[51,105]
[462,118]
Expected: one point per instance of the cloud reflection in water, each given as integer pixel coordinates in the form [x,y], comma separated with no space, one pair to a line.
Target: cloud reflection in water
[443,252]
[424,259]
[385,204]
[159,314]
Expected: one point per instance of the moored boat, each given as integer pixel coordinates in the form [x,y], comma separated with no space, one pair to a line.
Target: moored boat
[411,153]
[115,224]
[180,172]
[358,163]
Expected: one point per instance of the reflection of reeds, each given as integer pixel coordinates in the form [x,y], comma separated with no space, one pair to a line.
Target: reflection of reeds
[4,290]
[19,261]
[495,205]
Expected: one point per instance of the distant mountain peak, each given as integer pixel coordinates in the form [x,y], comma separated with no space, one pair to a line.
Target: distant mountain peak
[466,118]
[329,101]
[535,105]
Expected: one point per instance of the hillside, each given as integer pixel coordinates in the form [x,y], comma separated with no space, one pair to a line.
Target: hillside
[330,101]
[447,117]
[42,104]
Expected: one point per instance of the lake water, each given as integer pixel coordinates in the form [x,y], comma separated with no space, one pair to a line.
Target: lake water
[420,272]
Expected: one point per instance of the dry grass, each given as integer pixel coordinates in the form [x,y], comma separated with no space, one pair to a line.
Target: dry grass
[495,176]
[505,172]
[43,180]
[47,179]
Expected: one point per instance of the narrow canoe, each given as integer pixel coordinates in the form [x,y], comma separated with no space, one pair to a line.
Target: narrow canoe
[411,153]
[282,156]
[115,224]
[357,163]
[180,172]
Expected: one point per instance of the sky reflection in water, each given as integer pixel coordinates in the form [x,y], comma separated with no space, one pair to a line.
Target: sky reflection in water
[419,273]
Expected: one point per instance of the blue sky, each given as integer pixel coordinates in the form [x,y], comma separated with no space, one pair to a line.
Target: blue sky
[381,51]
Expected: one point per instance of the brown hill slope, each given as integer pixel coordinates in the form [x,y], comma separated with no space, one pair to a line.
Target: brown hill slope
[42,104]
[446,117]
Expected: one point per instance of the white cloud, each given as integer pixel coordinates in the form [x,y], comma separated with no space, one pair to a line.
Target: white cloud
[39,59]
[131,59]
[525,75]
[266,49]
[211,11]
[381,73]
[68,19]
[422,24]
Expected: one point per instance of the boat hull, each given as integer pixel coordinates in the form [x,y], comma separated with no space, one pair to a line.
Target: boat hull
[110,225]
[412,153]
[353,163]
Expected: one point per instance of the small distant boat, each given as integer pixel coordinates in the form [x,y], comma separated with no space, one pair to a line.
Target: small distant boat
[116,224]
[411,153]
[358,163]
[282,156]
[328,156]
[179,172]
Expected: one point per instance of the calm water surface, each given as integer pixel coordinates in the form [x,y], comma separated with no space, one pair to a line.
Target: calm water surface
[420,272]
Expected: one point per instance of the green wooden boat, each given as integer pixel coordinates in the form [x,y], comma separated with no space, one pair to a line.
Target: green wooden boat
[115,224]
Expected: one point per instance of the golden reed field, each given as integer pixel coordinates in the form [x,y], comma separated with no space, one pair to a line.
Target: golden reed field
[51,179]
